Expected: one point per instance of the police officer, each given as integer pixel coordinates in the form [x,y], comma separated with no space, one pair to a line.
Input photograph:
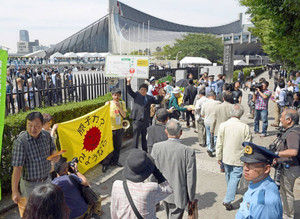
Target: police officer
[262,199]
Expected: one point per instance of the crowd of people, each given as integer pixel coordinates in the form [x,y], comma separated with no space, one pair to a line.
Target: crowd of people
[164,169]
[44,61]
[31,87]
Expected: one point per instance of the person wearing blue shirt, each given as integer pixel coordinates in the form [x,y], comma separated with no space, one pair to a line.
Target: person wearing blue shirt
[262,199]
[212,84]
[219,84]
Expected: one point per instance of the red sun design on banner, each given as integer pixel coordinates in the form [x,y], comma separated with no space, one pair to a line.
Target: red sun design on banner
[131,70]
[92,139]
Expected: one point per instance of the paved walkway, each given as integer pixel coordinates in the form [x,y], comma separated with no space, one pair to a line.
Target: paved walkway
[211,185]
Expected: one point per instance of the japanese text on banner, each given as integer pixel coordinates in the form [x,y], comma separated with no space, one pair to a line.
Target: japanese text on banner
[88,137]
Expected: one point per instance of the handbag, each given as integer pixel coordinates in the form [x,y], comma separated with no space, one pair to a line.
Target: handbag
[88,194]
[135,210]
[193,209]
[175,114]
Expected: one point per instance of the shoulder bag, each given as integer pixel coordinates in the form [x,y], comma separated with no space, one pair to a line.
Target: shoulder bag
[135,210]
[88,194]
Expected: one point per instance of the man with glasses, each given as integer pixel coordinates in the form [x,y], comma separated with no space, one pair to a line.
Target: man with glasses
[262,199]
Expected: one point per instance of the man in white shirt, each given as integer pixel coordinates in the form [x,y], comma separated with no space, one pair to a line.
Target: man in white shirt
[207,112]
[200,122]
[151,87]
[229,149]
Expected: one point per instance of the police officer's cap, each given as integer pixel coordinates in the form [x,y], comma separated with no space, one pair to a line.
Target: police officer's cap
[256,154]
[211,76]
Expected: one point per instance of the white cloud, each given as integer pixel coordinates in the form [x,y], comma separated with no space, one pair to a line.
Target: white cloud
[51,21]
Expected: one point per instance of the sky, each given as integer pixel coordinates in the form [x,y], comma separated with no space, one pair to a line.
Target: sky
[51,21]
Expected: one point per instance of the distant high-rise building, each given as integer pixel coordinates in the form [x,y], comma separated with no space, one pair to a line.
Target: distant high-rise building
[24,35]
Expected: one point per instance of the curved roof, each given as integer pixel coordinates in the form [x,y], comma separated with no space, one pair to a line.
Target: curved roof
[95,37]
[141,17]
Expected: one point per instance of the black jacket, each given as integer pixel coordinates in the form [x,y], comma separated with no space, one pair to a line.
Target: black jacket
[140,111]
[190,93]
[156,133]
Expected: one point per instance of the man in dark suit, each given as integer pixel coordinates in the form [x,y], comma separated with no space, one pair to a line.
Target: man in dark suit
[190,93]
[140,113]
[156,133]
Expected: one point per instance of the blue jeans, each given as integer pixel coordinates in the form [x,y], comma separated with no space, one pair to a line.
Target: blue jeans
[208,137]
[233,175]
[263,116]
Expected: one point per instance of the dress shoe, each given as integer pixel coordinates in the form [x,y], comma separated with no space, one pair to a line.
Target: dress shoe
[210,153]
[228,206]
[194,125]
[118,164]
[104,168]
[187,126]
[222,170]
[195,131]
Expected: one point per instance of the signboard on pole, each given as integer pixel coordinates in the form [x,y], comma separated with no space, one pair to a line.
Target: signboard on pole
[127,66]
[3,64]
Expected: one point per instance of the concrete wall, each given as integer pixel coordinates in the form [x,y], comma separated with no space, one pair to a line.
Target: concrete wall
[212,70]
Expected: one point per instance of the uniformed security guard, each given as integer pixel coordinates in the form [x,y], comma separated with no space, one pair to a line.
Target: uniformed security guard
[262,199]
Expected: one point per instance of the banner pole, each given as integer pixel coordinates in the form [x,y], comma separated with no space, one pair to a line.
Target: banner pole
[3,67]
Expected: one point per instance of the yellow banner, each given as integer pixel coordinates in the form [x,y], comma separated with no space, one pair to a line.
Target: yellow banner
[88,137]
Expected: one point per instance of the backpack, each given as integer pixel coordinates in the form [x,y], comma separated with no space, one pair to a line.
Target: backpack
[289,99]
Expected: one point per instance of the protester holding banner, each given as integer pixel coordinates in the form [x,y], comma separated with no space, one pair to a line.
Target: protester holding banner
[140,113]
[117,114]
[29,157]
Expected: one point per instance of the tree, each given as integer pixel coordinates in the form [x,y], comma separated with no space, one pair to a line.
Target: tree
[198,45]
[277,24]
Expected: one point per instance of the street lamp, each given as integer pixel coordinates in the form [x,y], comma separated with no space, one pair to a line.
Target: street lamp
[120,38]
[177,58]
[260,59]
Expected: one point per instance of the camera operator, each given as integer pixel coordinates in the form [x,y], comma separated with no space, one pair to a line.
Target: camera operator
[72,194]
[280,98]
[288,150]
[261,99]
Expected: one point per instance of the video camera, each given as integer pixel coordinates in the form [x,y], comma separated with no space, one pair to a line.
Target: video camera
[273,147]
[258,86]
[72,164]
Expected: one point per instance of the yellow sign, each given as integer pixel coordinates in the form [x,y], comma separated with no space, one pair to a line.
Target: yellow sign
[89,138]
[142,62]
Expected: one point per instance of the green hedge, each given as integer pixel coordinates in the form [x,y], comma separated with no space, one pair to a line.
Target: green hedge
[14,124]
[258,70]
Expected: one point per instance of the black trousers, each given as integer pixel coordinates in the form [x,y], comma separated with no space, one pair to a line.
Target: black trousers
[113,157]
[188,115]
[140,128]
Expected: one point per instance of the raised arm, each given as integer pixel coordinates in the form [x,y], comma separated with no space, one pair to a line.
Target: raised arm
[129,89]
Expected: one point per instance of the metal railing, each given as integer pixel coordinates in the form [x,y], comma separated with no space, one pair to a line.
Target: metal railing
[38,93]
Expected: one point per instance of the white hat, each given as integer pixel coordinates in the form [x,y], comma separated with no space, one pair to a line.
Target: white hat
[176,90]
[152,78]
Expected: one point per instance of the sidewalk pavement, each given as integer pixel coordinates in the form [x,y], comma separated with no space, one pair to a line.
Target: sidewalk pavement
[211,185]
